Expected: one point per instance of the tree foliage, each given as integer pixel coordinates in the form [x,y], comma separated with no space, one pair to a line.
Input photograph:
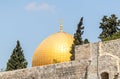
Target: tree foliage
[86,41]
[113,37]
[17,59]
[77,38]
[79,33]
[110,26]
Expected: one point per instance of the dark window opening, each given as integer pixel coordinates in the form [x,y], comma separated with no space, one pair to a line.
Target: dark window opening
[104,75]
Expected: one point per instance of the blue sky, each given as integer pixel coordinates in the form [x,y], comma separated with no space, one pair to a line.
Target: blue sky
[31,21]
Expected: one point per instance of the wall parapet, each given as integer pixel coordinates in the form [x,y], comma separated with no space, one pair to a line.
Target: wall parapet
[73,70]
[88,51]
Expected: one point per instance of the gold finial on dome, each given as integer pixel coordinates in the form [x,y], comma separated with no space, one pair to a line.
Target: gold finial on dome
[61,26]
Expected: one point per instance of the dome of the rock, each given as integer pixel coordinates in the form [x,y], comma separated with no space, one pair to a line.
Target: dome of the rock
[56,48]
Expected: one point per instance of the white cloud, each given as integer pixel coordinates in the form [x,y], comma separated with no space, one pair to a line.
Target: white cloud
[39,7]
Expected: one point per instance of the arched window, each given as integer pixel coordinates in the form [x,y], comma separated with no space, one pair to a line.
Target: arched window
[104,75]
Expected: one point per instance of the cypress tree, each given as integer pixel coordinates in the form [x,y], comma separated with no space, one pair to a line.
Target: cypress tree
[77,38]
[17,59]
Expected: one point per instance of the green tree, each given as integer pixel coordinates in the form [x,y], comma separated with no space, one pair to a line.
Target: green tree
[86,41]
[17,59]
[109,26]
[77,38]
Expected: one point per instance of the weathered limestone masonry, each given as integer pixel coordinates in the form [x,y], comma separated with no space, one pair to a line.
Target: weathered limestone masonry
[68,70]
[104,57]
[92,61]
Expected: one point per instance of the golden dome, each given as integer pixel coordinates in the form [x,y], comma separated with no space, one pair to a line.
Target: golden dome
[56,48]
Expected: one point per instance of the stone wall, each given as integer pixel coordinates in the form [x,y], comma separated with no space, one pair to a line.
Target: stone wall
[109,57]
[104,57]
[91,60]
[67,70]
[89,51]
